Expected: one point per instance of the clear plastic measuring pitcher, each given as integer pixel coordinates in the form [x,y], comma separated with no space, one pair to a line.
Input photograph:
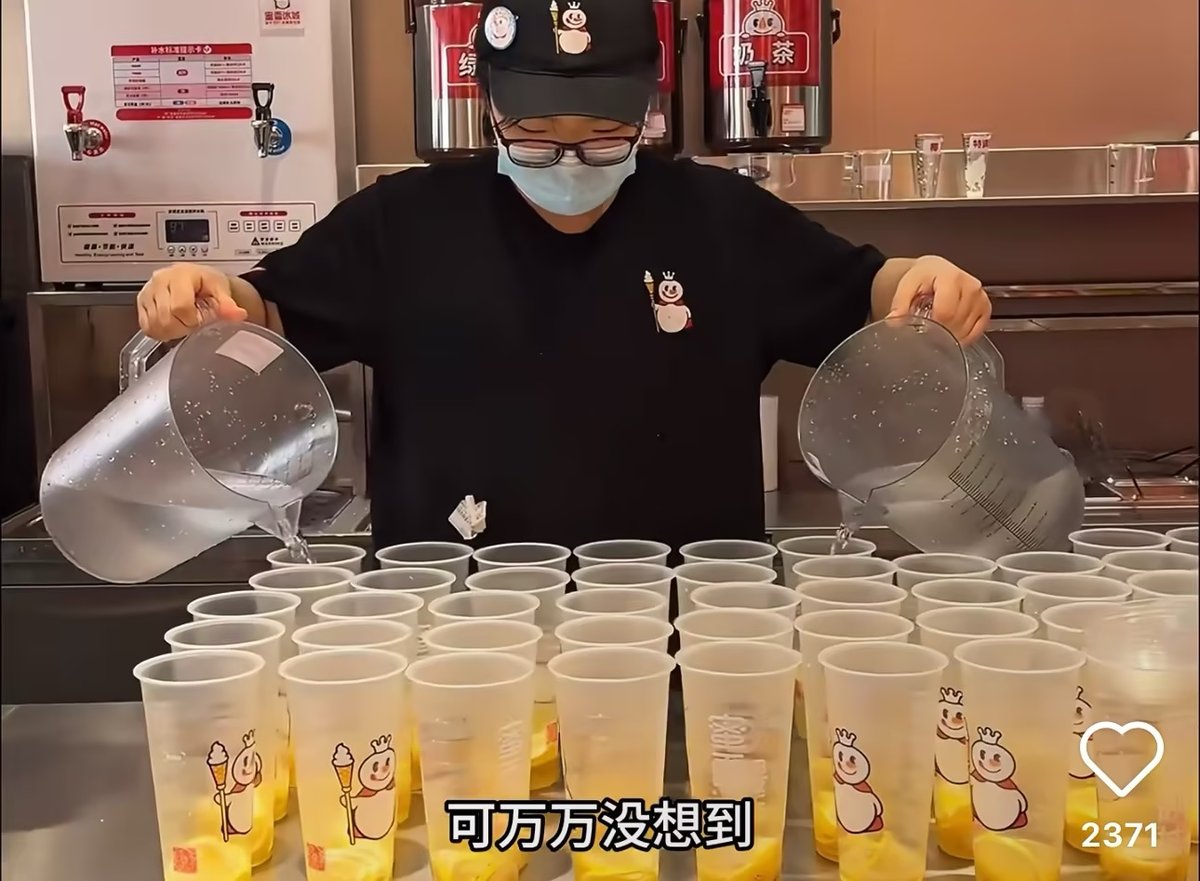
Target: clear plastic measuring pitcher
[232,427]
[914,429]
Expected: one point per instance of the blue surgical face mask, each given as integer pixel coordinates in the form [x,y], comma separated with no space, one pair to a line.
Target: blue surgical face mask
[568,187]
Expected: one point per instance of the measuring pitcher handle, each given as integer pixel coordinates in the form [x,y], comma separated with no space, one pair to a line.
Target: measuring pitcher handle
[982,351]
[137,352]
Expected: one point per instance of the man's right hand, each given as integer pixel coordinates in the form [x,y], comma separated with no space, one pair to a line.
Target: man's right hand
[167,305]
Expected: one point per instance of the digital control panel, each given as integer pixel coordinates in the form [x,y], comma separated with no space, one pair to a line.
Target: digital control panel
[131,234]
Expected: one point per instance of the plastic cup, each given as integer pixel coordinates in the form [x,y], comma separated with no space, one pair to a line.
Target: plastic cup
[860,568]
[427,584]
[808,547]
[622,551]
[850,593]
[613,601]
[373,604]
[1123,565]
[262,637]
[473,713]
[1185,540]
[202,709]
[363,633]
[274,606]
[917,568]
[690,576]
[518,638]
[614,630]
[1099,542]
[1065,625]
[523,554]
[945,630]
[764,597]
[612,716]
[738,625]
[351,733]
[817,632]
[445,555]
[1011,568]
[309,583]
[737,717]
[495,605]
[342,556]
[729,551]
[1165,583]
[881,696]
[547,586]
[1043,592]
[1142,667]
[279,607]
[1019,702]
[648,576]
[929,595]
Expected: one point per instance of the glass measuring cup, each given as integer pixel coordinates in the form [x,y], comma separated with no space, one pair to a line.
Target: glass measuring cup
[909,426]
[232,427]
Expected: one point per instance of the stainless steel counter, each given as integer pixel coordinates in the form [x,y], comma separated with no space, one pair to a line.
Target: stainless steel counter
[78,806]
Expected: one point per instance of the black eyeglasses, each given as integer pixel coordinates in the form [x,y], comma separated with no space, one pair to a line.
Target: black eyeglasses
[597,152]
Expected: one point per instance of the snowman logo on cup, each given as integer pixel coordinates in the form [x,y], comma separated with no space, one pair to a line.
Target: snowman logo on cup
[573,36]
[950,752]
[371,812]
[859,809]
[1080,723]
[235,799]
[996,800]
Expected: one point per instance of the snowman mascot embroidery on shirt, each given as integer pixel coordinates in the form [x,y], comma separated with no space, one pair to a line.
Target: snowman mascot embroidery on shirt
[858,807]
[996,800]
[1079,724]
[238,800]
[573,36]
[950,751]
[669,309]
[372,811]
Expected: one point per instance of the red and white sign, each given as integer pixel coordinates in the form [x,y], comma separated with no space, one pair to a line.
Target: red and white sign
[452,50]
[280,17]
[177,81]
[784,34]
[664,14]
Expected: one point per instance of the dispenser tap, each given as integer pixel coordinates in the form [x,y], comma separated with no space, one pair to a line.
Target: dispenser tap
[85,137]
[266,131]
[759,102]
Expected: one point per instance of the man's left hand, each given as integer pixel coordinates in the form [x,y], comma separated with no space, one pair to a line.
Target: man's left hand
[959,302]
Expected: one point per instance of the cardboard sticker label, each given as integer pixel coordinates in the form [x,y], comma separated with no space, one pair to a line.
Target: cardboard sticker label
[792,118]
[250,350]
[280,17]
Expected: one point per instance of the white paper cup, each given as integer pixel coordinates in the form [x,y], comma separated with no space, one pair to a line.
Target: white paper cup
[863,568]
[1165,583]
[1123,565]
[1185,540]
[622,550]
[1043,592]
[914,569]
[524,554]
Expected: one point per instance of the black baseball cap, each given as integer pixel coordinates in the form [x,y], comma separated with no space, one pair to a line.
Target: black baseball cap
[596,58]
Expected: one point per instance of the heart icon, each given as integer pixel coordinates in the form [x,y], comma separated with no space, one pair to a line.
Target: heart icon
[1121,791]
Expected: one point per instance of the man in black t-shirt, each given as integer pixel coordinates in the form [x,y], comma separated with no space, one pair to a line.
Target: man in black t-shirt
[571,330]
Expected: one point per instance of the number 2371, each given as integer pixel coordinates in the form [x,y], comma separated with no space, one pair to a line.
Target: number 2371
[1119,834]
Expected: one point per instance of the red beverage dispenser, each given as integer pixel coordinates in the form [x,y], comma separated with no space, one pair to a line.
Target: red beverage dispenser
[448,103]
[767,74]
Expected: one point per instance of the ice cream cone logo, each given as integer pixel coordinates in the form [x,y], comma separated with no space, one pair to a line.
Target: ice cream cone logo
[218,766]
[554,24]
[648,281]
[343,764]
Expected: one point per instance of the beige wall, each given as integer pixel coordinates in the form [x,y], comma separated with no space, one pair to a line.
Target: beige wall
[1031,71]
